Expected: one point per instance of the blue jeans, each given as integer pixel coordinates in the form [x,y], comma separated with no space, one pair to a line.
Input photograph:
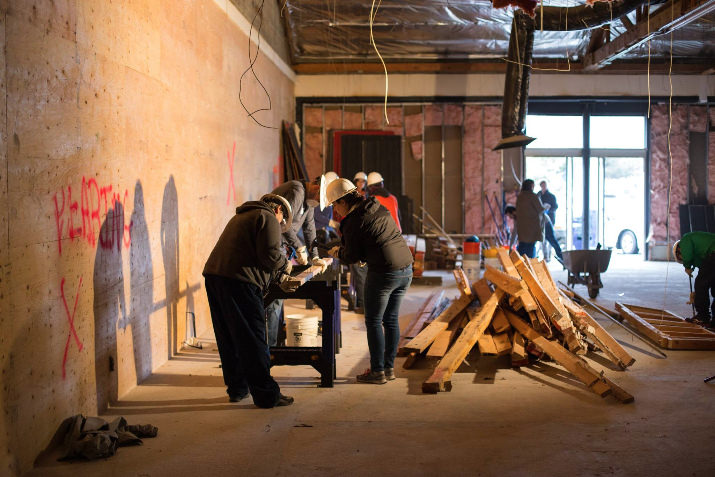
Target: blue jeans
[527,248]
[383,296]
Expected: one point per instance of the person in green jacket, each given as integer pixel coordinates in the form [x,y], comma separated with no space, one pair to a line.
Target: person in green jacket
[697,250]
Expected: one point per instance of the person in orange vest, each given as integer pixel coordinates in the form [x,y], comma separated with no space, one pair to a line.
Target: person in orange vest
[376,189]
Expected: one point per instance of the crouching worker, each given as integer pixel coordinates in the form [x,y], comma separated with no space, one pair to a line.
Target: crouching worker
[246,259]
[369,234]
[697,250]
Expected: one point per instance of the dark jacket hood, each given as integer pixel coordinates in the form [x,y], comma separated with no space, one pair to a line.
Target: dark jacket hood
[253,205]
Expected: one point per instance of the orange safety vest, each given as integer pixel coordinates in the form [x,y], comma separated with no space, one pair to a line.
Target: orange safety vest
[390,204]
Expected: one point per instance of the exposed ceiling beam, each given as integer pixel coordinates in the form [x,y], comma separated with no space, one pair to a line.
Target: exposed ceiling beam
[499,67]
[667,19]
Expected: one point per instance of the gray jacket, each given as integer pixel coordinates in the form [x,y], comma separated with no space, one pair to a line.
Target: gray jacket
[249,249]
[530,215]
[303,218]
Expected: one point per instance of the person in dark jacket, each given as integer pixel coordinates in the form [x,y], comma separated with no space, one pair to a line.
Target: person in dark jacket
[246,259]
[369,234]
[549,201]
[303,198]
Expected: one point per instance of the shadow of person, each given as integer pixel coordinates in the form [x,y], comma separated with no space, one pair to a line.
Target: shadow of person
[109,305]
[141,285]
[170,255]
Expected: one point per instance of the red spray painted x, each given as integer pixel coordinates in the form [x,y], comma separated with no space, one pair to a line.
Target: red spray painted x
[231,156]
[70,319]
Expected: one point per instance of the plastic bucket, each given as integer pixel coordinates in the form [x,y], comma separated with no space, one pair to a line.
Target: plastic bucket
[301,330]
[472,267]
[472,248]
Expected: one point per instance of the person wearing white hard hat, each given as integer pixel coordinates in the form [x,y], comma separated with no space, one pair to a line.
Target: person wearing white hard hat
[360,181]
[323,217]
[369,234]
[303,198]
[247,258]
[697,250]
[376,188]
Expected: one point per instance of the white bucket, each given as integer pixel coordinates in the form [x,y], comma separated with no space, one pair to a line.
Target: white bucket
[301,330]
[471,267]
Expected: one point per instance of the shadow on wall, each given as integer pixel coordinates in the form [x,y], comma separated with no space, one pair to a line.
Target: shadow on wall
[109,304]
[141,284]
[170,254]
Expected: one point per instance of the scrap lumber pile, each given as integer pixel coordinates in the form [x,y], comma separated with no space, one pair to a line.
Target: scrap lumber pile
[442,255]
[519,312]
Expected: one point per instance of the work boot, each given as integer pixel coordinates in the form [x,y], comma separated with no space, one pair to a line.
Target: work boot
[372,377]
[237,397]
[390,374]
[284,401]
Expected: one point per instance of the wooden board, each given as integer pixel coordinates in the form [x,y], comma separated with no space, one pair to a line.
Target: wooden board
[440,345]
[502,341]
[660,328]
[518,351]
[440,378]
[420,320]
[425,338]
[499,323]
[486,344]
[482,290]
[463,285]
[509,284]
[307,274]
[575,365]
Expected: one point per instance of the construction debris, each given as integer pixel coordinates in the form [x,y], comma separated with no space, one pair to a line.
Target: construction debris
[667,329]
[518,312]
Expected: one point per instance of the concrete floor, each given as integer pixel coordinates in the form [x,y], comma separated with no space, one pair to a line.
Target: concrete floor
[496,421]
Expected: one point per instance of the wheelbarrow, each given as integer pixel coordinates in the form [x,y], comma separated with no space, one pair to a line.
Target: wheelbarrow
[585,267]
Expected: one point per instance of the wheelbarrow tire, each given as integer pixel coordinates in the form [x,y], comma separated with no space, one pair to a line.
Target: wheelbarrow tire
[593,285]
[592,292]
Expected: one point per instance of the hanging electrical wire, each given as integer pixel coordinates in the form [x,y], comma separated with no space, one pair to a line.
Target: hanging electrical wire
[373,13]
[252,61]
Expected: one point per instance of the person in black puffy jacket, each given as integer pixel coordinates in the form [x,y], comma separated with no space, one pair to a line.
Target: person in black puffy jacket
[369,234]
[246,259]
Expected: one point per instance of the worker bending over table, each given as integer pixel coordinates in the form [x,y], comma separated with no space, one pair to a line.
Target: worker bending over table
[246,259]
[697,250]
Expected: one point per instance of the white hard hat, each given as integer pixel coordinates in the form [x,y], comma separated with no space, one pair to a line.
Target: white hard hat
[330,176]
[323,200]
[287,210]
[338,188]
[676,252]
[374,178]
[360,176]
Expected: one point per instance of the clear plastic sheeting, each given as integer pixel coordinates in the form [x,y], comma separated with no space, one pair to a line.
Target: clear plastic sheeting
[323,31]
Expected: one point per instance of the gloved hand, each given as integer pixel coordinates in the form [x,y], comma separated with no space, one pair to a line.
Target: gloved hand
[302,255]
[320,262]
[289,268]
[334,224]
[287,285]
[335,251]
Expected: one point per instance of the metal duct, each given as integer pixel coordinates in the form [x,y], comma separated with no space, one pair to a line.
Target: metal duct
[516,86]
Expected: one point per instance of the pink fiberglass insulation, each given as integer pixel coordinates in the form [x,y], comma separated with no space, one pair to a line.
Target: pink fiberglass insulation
[667,180]
[711,159]
[394,114]
[374,117]
[313,117]
[433,115]
[698,119]
[352,120]
[313,154]
[492,162]
[396,130]
[333,119]
[413,125]
[453,115]
[472,153]
[416,150]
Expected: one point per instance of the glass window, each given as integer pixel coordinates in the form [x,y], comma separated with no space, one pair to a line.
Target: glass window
[617,132]
[555,131]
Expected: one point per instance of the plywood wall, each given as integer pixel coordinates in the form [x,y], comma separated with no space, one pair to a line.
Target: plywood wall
[123,154]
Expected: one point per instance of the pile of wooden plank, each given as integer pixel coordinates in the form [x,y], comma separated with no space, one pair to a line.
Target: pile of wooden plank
[442,255]
[518,311]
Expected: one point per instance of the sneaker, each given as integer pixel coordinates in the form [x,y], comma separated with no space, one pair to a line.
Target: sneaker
[237,397]
[284,401]
[390,374]
[372,377]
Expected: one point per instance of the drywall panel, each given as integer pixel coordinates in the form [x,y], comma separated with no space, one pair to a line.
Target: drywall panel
[128,152]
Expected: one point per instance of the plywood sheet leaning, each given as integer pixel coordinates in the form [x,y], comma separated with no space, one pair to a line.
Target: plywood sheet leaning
[422,317]
[667,329]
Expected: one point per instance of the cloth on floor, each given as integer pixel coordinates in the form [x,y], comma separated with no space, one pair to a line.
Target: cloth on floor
[94,438]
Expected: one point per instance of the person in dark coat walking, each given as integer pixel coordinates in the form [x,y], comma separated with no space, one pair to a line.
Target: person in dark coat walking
[246,259]
[369,234]
[549,201]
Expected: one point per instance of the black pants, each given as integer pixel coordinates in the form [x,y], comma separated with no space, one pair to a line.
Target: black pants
[705,286]
[551,238]
[238,317]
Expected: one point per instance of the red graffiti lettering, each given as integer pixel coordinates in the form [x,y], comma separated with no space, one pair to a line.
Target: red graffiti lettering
[58,222]
[231,156]
[95,204]
[70,319]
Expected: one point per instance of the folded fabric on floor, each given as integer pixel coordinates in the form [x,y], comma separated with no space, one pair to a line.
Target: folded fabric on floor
[94,438]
